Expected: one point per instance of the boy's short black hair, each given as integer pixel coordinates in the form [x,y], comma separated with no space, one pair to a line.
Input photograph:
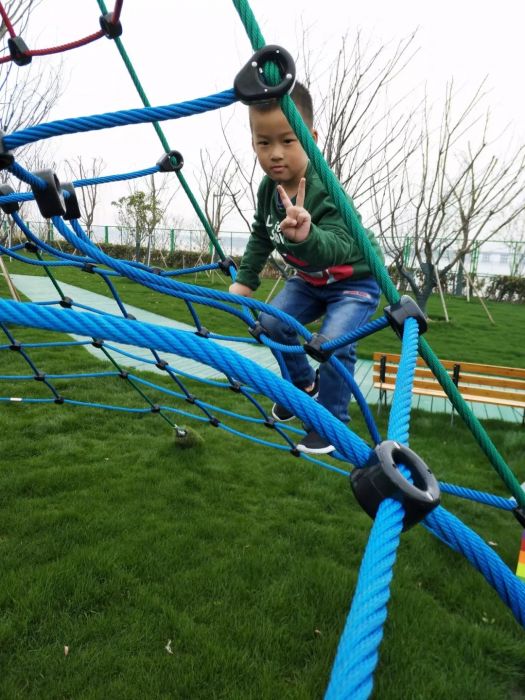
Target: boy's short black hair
[302,100]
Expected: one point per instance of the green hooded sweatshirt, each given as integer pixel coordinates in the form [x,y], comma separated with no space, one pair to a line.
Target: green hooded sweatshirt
[329,253]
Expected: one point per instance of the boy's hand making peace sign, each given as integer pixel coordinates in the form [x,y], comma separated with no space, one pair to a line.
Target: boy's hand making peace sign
[296,225]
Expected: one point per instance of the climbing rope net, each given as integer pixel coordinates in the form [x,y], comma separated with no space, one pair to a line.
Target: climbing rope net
[389,480]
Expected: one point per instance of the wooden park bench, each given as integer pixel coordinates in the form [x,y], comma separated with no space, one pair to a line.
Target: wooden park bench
[489,384]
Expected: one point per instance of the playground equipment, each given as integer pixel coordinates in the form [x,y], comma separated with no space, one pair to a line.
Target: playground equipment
[391,482]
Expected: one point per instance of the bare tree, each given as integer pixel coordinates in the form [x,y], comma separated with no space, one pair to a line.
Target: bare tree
[452,194]
[27,94]
[363,130]
[217,187]
[88,194]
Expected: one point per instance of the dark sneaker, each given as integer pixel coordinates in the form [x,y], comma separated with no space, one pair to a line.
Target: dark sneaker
[314,444]
[282,414]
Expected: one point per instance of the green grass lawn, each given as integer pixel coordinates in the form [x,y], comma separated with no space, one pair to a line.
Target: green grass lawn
[227,570]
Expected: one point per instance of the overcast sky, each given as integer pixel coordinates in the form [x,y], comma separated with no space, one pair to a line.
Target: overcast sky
[185,50]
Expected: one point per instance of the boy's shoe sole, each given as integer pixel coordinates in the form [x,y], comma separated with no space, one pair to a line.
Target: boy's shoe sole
[314,444]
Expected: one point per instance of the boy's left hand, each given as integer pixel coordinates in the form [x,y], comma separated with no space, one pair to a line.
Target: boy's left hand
[296,225]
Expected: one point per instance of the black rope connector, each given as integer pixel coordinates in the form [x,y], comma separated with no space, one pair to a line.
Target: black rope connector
[8,207]
[257,330]
[111,29]
[97,342]
[519,514]
[50,200]
[156,270]
[155,408]
[16,346]
[170,162]
[89,267]
[191,399]
[19,51]
[161,364]
[203,332]
[313,348]
[71,202]
[66,302]
[59,399]
[215,422]
[130,317]
[39,377]
[31,247]
[235,386]
[269,422]
[123,374]
[406,307]
[6,157]
[249,83]
[381,479]
[224,265]
[295,452]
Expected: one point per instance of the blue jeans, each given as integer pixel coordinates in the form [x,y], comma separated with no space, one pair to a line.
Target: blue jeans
[346,305]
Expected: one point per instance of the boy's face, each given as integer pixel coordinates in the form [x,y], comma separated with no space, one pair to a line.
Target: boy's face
[278,150]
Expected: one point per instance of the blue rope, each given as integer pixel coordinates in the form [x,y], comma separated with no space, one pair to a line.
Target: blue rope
[462,539]
[473,495]
[189,345]
[120,118]
[358,650]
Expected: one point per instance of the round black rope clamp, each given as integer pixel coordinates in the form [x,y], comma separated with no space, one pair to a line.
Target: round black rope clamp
[214,421]
[155,408]
[39,377]
[123,374]
[203,332]
[519,514]
[381,479]
[314,349]
[97,342]
[110,28]
[161,364]
[226,264]
[257,330]
[235,386]
[130,317]
[16,346]
[6,157]
[170,162]
[66,302]
[71,202]
[19,51]
[59,400]
[89,267]
[398,313]
[31,247]
[50,200]
[249,84]
[8,207]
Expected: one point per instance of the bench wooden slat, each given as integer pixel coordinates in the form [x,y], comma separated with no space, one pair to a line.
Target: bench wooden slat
[489,384]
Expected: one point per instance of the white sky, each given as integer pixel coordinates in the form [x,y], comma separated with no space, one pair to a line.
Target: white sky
[185,50]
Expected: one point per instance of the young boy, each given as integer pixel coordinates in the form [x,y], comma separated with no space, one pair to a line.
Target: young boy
[296,216]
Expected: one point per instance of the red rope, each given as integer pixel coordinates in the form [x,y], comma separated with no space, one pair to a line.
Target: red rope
[6,21]
[68,47]
[61,48]
[117,10]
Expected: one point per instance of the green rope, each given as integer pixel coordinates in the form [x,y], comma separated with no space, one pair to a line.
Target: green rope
[131,70]
[353,223]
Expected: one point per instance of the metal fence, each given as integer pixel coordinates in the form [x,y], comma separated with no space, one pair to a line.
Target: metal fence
[491,259]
